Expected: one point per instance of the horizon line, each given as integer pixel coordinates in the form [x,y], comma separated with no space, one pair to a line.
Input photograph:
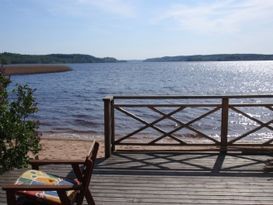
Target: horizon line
[137,59]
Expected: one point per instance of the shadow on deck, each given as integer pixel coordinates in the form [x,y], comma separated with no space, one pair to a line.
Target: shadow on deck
[185,164]
[185,178]
[176,178]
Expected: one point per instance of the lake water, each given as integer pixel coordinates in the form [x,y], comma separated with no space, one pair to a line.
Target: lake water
[71,102]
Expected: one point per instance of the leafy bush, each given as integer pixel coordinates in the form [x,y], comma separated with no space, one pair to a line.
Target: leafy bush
[18,135]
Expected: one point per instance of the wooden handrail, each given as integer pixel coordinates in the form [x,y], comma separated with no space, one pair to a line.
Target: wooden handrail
[194,105]
[192,96]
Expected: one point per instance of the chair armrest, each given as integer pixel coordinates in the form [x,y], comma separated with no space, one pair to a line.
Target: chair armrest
[16,187]
[37,163]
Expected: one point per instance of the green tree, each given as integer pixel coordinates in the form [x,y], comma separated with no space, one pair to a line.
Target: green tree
[18,134]
[3,60]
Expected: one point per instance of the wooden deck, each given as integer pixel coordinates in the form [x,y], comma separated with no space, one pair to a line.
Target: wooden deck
[172,178]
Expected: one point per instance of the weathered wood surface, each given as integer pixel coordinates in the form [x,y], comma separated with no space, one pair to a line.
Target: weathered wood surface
[172,178]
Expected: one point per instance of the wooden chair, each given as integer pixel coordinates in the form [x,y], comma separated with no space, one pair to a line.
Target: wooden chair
[51,189]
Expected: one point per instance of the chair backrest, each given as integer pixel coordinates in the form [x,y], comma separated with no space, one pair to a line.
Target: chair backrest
[88,168]
[93,151]
[90,162]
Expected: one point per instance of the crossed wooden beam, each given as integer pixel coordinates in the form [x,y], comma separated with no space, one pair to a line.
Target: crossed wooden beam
[166,116]
[261,125]
[187,125]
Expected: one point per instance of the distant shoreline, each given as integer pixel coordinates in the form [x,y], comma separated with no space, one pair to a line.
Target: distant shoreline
[213,57]
[33,69]
[15,58]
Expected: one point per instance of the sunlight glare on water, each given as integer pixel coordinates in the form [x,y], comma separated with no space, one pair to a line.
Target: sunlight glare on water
[71,102]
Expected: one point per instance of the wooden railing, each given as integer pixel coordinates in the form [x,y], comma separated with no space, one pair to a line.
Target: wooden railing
[212,104]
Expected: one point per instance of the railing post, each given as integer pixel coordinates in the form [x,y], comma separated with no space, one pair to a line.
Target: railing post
[112,125]
[224,123]
[108,126]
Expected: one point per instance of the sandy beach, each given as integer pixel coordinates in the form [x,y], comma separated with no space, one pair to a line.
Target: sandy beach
[61,148]
[33,69]
[76,146]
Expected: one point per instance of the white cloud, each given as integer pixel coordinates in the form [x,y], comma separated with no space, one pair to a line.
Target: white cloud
[220,16]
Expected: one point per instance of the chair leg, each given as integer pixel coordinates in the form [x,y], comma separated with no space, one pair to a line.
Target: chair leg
[63,197]
[89,197]
[11,197]
[80,199]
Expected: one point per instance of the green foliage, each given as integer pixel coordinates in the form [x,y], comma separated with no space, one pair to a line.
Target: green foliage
[18,135]
[216,57]
[3,61]
[12,58]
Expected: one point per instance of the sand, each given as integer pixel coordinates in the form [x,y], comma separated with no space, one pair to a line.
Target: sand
[33,69]
[67,149]
[76,146]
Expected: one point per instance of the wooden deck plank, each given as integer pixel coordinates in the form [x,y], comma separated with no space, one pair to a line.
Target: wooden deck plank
[188,178]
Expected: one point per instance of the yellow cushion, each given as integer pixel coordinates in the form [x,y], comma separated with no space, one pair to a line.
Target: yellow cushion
[36,177]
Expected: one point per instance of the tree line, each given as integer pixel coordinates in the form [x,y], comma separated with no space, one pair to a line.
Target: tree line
[216,57]
[13,58]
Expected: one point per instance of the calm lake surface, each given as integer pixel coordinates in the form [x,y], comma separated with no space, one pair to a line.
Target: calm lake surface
[71,102]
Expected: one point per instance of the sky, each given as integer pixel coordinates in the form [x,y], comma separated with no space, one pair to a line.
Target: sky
[136,29]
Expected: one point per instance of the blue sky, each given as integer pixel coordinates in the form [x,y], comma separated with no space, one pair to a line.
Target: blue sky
[136,29]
